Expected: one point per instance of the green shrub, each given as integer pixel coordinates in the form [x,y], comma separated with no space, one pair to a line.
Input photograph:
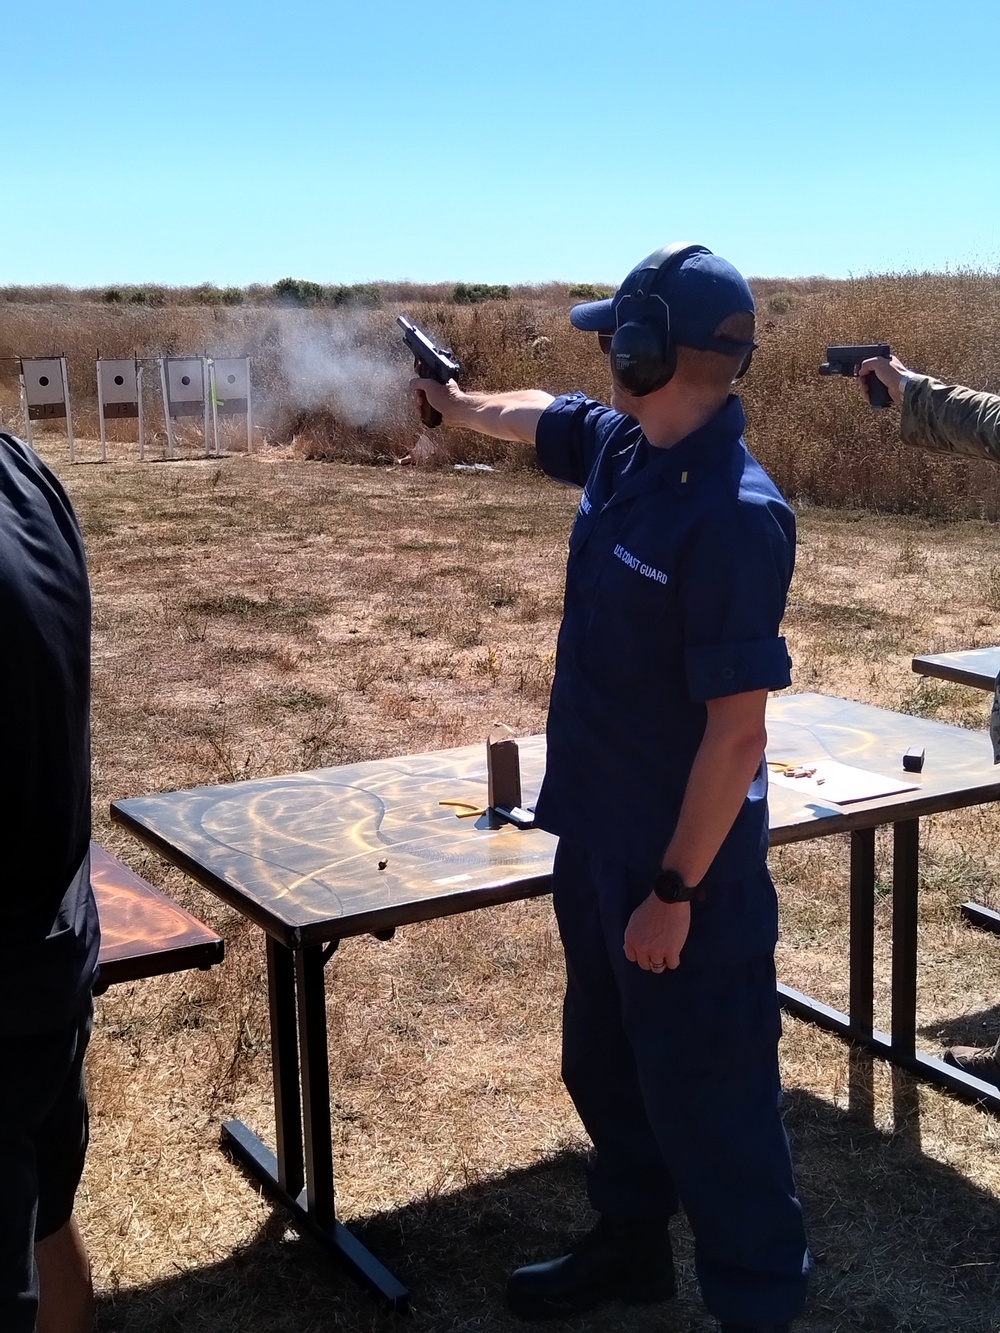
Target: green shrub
[112,296]
[232,296]
[358,293]
[468,293]
[206,293]
[298,291]
[589,291]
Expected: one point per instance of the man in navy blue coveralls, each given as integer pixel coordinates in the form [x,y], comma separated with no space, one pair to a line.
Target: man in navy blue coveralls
[679,563]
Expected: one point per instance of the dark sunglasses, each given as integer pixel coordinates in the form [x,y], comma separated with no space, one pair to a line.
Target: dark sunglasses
[604,341]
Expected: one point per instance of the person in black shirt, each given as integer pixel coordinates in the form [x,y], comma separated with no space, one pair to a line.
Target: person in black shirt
[49,933]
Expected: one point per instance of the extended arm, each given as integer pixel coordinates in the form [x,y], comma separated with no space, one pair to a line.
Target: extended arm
[951,419]
[727,759]
[947,418]
[505,416]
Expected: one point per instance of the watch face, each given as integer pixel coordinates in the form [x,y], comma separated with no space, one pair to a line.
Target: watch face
[670,888]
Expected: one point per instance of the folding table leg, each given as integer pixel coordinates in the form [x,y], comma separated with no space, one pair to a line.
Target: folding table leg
[899,1047]
[305,1141]
[315,1067]
[905,876]
[285,1064]
[861,1005]
[281,1173]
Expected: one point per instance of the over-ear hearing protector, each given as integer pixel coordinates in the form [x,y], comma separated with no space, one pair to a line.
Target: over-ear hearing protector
[643,354]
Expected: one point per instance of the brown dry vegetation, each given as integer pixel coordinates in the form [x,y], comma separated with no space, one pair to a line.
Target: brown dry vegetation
[258,615]
[819,440]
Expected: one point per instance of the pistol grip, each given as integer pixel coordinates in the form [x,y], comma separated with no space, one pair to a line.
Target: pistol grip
[878,394]
[430,416]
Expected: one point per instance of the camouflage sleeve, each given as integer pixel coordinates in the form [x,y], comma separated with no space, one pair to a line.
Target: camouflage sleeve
[951,419]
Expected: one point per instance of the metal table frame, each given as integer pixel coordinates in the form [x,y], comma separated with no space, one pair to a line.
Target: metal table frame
[857,1025]
[978,668]
[299,1175]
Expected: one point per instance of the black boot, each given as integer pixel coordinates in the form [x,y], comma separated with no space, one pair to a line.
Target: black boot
[624,1260]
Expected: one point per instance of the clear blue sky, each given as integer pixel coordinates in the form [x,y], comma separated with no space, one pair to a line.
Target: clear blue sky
[517,141]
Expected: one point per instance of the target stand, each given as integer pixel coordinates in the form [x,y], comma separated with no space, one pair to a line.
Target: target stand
[185,384]
[229,391]
[45,395]
[119,397]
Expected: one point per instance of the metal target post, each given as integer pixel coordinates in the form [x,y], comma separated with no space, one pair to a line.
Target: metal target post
[69,409]
[214,390]
[249,411]
[100,410]
[205,379]
[100,418]
[166,407]
[142,418]
[24,404]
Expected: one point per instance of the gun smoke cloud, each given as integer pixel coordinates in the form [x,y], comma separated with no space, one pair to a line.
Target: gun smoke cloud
[333,364]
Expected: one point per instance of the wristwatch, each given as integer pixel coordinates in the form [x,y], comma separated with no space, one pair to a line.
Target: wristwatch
[669,887]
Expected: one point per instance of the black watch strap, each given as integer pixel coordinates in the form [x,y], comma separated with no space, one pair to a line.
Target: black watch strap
[669,887]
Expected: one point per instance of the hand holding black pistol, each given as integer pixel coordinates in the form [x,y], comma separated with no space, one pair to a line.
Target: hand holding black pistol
[431,362]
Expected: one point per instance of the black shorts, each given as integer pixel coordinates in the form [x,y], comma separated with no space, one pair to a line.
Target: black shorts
[43,1143]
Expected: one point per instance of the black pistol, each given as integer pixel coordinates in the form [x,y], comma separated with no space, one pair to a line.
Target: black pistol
[430,362]
[846,360]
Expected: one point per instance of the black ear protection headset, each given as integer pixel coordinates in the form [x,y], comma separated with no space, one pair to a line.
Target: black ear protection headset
[643,354]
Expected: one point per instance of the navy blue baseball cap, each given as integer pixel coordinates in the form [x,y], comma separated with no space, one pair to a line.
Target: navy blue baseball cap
[700,292]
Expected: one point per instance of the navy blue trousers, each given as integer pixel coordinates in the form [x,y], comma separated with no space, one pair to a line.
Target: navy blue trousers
[675,1077]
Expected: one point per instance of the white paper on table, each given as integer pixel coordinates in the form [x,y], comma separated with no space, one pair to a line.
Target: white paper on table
[840,783]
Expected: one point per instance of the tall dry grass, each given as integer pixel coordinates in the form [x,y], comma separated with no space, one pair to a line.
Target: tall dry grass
[817,437]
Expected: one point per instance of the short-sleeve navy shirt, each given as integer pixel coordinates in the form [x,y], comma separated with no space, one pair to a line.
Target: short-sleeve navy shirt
[49,934]
[679,565]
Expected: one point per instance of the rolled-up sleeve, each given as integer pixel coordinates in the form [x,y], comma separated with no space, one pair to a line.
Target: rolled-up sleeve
[715,670]
[737,568]
[570,434]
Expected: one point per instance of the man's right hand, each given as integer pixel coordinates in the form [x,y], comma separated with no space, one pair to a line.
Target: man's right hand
[445,398]
[890,370]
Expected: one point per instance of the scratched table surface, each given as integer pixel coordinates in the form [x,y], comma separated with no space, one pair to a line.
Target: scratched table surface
[978,667]
[300,854]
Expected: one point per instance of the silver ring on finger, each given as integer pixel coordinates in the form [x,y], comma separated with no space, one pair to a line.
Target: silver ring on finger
[657,967]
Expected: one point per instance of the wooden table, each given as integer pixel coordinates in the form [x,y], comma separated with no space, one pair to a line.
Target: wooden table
[143,932]
[315,857]
[978,667]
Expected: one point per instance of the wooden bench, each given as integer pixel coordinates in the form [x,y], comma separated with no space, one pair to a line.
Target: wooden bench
[143,932]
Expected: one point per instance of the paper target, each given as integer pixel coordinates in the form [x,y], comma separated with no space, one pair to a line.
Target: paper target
[44,390]
[232,384]
[185,384]
[119,387]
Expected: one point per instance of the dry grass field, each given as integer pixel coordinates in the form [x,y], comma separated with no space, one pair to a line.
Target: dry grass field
[260,614]
[332,379]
